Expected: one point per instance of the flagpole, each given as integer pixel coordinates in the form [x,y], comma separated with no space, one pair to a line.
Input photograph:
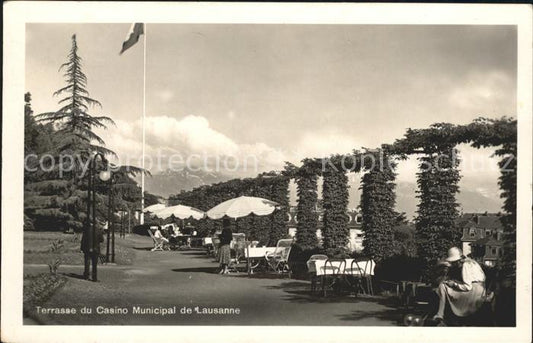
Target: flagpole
[143,120]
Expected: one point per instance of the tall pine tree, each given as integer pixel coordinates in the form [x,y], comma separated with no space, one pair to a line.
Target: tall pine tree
[75,126]
[55,199]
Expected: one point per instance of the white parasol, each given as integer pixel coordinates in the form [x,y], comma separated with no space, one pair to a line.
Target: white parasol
[242,207]
[181,212]
[154,208]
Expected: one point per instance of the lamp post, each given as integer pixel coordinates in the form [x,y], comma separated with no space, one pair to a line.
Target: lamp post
[111,178]
[91,239]
[122,231]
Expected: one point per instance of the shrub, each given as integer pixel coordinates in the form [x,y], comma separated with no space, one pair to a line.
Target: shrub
[39,288]
[56,248]
[298,260]
[28,224]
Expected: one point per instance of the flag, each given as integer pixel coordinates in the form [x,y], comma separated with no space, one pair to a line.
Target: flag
[136,30]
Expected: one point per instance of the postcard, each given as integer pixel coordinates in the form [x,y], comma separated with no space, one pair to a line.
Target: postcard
[266,172]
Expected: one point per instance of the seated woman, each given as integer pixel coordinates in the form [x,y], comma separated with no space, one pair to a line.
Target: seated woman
[159,235]
[463,289]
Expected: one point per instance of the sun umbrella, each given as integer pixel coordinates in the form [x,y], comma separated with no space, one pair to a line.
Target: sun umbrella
[241,207]
[154,208]
[181,212]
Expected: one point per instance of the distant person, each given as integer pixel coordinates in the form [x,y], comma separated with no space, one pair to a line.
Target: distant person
[91,249]
[463,289]
[159,235]
[172,237]
[215,237]
[225,237]
[171,231]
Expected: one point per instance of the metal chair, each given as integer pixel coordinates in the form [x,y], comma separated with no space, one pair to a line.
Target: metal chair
[237,246]
[314,277]
[366,268]
[354,276]
[333,274]
[279,259]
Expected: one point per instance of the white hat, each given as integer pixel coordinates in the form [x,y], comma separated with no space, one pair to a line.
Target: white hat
[454,254]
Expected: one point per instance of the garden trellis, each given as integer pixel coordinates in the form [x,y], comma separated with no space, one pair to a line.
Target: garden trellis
[437,209]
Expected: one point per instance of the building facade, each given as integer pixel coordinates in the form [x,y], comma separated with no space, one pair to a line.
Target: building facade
[482,236]
[355,240]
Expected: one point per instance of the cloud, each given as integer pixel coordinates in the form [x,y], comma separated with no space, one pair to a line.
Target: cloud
[483,90]
[323,143]
[176,142]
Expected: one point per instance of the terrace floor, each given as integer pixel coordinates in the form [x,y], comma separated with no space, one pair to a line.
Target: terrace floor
[188,279]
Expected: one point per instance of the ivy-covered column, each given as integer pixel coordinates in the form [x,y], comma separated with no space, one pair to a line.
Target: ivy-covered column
[485,132]
[307,217]
[335,230]
[260,225]
[279,194]
[378,199]
[507,182]
[436,228]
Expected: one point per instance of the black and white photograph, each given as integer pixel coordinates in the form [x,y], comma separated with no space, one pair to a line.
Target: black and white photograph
[266,174]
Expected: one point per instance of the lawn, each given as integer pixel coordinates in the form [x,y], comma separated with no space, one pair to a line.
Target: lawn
[51,247]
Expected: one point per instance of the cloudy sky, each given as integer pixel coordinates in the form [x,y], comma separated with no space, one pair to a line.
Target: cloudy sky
[284,92]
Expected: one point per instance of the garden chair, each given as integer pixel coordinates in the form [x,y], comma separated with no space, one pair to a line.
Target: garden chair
[360,272]
[279,259]
[313,276]
[355,277]
[333,276]
[158,243]
[237,245]
[216,247]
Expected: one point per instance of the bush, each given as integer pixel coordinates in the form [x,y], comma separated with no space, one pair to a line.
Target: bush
[39,288]
[28,224]
[141,229]
[298,260]
[56,248]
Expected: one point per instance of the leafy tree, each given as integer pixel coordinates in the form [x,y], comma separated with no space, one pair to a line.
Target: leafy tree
[404,243]
[31,132]
[507,182]
[38,139]
[150,199]
[55,195]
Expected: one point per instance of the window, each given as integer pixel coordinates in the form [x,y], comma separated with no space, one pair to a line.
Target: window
[472,232]
[494,251]
[488,233]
